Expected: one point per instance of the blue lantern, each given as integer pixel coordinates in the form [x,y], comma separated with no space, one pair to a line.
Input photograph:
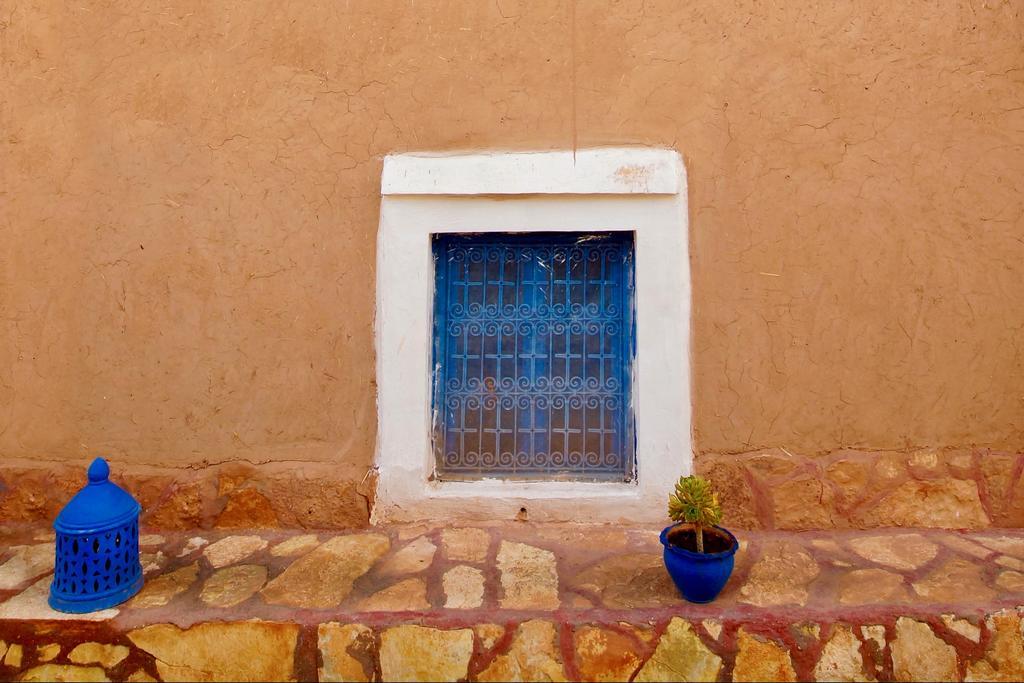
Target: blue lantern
[97,564]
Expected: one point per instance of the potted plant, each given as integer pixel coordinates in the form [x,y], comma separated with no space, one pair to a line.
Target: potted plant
[698,553]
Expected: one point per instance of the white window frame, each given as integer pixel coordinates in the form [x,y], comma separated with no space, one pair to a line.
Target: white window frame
[634,189]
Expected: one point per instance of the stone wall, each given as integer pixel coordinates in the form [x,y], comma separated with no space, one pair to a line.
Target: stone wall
[952,489]
[763,489]
[190,199]
[906,649]
[227,496]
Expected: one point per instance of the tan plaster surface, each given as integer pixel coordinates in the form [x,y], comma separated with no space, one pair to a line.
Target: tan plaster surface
[190,199]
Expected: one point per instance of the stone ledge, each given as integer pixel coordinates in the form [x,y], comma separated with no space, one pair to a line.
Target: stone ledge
[521,601]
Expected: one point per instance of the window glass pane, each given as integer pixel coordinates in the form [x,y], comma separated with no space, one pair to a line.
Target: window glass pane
[533,351]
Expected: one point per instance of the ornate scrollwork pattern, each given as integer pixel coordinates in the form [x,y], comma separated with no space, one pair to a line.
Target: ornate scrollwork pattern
[533,356]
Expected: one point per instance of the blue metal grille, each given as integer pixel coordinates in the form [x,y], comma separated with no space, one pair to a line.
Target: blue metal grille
[533,356]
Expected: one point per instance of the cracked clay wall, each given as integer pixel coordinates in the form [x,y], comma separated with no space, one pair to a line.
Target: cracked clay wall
[189,197]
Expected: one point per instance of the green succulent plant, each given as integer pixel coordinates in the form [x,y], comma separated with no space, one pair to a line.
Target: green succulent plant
[694,501]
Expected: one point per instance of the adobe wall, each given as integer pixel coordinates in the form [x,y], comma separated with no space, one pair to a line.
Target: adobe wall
[189,197]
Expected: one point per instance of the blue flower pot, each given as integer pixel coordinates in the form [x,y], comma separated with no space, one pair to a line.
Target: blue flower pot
[700,577]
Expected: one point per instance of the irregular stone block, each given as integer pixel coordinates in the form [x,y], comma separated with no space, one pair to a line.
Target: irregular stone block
[772,466]
[27,563]
[407,532]
[463,587]
[465,544]
[14,655]
[161,590]
[182,509]
[152,562]
[1004,657]
[193,544]
[841,659]
[803,503]
[1010,545]
[872,587]
[336,643]
[956,581]
[827,545]
[232,549]
[780,577]
[489,634]
[65,672]
[962,627]
[45,653]
[247,508]
[1010,562]
[899,551]
[962,545]
[761,660]
[412,559]
[604,655]
[107,656]
[417,653]
[296,545]
[713,627]
[324,577]
[739,506]
[533,656]
[890,467]
[1009,509]
[35,494]
[316,502]
[997,474]
[919,655]
[1010,581]
[681,656]
[233,585]
[31,605]
[584,534]
[924,463]
[404,596]
[635,580]
[947,503]
[238,651]
[851,476]
[529,577]
[874,633]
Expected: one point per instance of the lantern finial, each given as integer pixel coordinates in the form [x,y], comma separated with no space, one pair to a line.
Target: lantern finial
[99,470]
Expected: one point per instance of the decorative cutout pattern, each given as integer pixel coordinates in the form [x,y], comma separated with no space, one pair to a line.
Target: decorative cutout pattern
[533,356]
[97,564]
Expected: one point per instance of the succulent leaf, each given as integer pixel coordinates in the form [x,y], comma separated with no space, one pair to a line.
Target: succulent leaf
[695,502]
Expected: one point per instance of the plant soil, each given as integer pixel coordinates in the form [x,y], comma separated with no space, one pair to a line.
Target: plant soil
[686,538]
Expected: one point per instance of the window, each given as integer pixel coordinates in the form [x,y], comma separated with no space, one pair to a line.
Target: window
[478,214]
[533,356]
